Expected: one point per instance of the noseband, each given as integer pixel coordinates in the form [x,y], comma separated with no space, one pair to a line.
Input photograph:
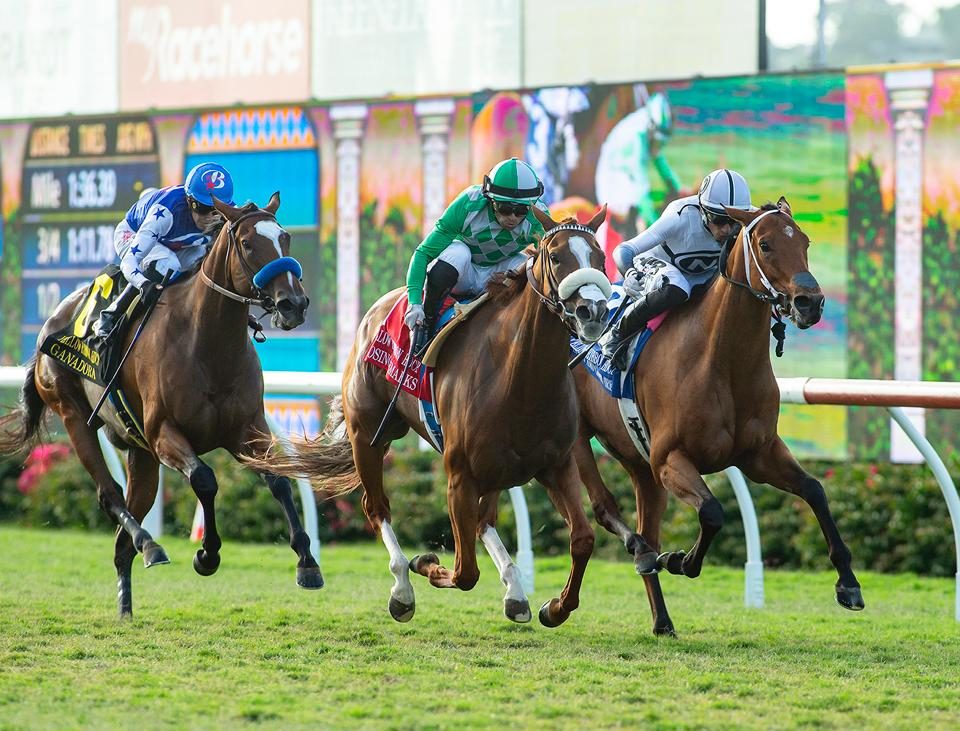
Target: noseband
[258,279]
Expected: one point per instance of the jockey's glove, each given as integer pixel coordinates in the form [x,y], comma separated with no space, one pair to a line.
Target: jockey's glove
[632,283]
[414,316]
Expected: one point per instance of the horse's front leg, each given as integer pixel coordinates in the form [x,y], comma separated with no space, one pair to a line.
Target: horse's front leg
[651,503]
[256,445]
[175,452]
[516,607]
[678,475]
[775,465]
[563,487]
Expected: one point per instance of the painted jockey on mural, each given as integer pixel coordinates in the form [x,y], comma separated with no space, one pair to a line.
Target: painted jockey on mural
[483,231]
[168,230]
[551,147]
[622,177]
[662,265]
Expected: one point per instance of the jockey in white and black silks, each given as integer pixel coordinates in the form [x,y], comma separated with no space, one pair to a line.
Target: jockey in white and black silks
[680,251]
[168,230]
[483,231]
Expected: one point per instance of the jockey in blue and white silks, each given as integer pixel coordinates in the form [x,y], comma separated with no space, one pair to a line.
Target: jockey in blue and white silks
[166,231]
[662,264]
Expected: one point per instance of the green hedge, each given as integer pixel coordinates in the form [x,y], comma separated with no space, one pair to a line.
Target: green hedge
[893,517]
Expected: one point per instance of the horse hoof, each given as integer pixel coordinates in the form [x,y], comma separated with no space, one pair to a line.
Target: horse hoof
[154,555]
[517,611]
[206,564]
[666,630]
[647,563]
[309,577]
[544,615]
[672,561]
[419,563]
[849,597]
[400,611]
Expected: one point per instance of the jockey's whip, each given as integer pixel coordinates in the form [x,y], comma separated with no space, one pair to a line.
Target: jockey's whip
[396,394]
[583,353]
[136,336]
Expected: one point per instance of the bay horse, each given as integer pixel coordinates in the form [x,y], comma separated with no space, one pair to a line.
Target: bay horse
[506,400]
[194,382]
[705,386]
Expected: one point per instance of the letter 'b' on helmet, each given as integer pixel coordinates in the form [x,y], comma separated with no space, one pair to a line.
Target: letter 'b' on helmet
[724,188]
[513,180]
[209,179]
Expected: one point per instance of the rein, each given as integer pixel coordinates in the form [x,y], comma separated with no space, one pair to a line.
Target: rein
[773,297]
[257,278]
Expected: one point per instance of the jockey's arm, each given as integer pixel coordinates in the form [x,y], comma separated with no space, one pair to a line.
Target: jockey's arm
[657,233]
[666,173]
[147,236]
[445,232]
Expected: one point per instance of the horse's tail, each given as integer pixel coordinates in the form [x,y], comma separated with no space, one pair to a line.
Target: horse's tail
[326,461]
[23,427]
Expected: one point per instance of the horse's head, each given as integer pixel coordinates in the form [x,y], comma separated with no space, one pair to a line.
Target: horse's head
[261,265]
[774,250]
[569,266]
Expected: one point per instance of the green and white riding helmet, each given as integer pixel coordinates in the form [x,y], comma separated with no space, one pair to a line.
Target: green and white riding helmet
[513,180]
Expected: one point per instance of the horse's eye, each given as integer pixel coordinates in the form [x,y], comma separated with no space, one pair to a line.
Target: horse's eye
[555,258]
[764,246]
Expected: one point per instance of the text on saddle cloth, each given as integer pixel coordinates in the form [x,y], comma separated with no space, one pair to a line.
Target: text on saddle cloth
[388,350]
[617,383]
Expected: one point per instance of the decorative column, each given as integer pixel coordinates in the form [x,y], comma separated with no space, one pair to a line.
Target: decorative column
[433,116]
[909,93]
[172,132]
[348,127]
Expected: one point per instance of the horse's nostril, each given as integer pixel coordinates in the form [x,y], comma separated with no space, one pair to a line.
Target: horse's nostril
[582,312]
[802,303]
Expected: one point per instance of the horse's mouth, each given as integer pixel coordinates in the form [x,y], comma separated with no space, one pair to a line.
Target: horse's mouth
[590,331]
[285,323]
[805,312]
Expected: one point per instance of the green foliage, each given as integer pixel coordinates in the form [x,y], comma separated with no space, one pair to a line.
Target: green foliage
[870,305]
[893,517]
[322,298]
[11,266]
[385,252]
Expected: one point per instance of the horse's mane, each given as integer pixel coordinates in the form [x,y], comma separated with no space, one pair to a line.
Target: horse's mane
[768,206]
[504,287]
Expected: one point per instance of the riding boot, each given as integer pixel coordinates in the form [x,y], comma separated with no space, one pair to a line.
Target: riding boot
[108,318]
[440,282]
[617,343]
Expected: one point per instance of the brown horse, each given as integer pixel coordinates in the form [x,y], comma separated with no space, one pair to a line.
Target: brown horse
[706,388]
[194,382]
[506,400]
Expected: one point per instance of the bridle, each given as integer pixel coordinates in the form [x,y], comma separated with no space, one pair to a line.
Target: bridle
[553,301]
[258,278]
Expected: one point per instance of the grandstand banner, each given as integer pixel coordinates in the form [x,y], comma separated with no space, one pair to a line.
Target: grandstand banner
[59,58]
[181,53]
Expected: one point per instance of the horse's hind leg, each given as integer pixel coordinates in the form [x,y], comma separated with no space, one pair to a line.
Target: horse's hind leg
[678,474]
[143,473]
[308,572]
[369,463]
[563,488]
[776,465]
[605,508]
[175,451]
[516,607]
[651,502]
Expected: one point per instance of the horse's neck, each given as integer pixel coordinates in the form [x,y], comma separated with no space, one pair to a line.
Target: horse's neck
[218,324]
[536,356]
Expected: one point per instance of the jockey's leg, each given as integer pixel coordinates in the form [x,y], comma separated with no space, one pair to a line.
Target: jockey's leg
[441,279]
[636,317]
[107,321]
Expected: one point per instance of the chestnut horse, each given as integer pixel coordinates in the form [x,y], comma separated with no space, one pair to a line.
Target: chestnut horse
[706,388]
[506,400]
[194,382]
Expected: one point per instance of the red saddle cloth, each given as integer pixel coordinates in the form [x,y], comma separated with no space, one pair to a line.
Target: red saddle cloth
[388,352]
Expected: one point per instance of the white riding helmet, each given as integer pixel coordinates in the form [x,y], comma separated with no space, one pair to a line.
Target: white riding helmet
[724,188]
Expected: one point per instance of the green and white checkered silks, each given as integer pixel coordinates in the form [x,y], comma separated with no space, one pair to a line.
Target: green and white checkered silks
[488,241]
[513,180]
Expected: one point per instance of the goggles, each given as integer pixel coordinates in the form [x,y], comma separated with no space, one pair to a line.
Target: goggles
[719,219]
[200,208]
[511,209]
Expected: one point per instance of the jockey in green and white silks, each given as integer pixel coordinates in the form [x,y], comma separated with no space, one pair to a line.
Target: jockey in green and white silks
[680,251]
[483,231]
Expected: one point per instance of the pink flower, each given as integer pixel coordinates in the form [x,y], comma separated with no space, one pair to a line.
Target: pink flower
[38,463]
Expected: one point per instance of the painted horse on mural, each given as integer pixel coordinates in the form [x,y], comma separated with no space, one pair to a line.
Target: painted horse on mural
[707,398]
[193,383]
[506,401]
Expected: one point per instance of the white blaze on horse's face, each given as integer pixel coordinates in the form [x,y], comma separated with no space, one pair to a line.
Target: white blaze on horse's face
[585,290]
[272,231]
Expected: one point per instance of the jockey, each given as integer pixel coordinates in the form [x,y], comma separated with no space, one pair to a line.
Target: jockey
[680,251]
[483,231]
[166,230]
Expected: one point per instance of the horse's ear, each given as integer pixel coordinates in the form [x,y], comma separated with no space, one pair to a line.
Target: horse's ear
[742,217]
[784,206]
[274,203]
[594,223]
[227,211]
[544,218]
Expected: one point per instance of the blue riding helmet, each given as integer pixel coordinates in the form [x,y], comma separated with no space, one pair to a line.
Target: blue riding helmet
[209,179]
